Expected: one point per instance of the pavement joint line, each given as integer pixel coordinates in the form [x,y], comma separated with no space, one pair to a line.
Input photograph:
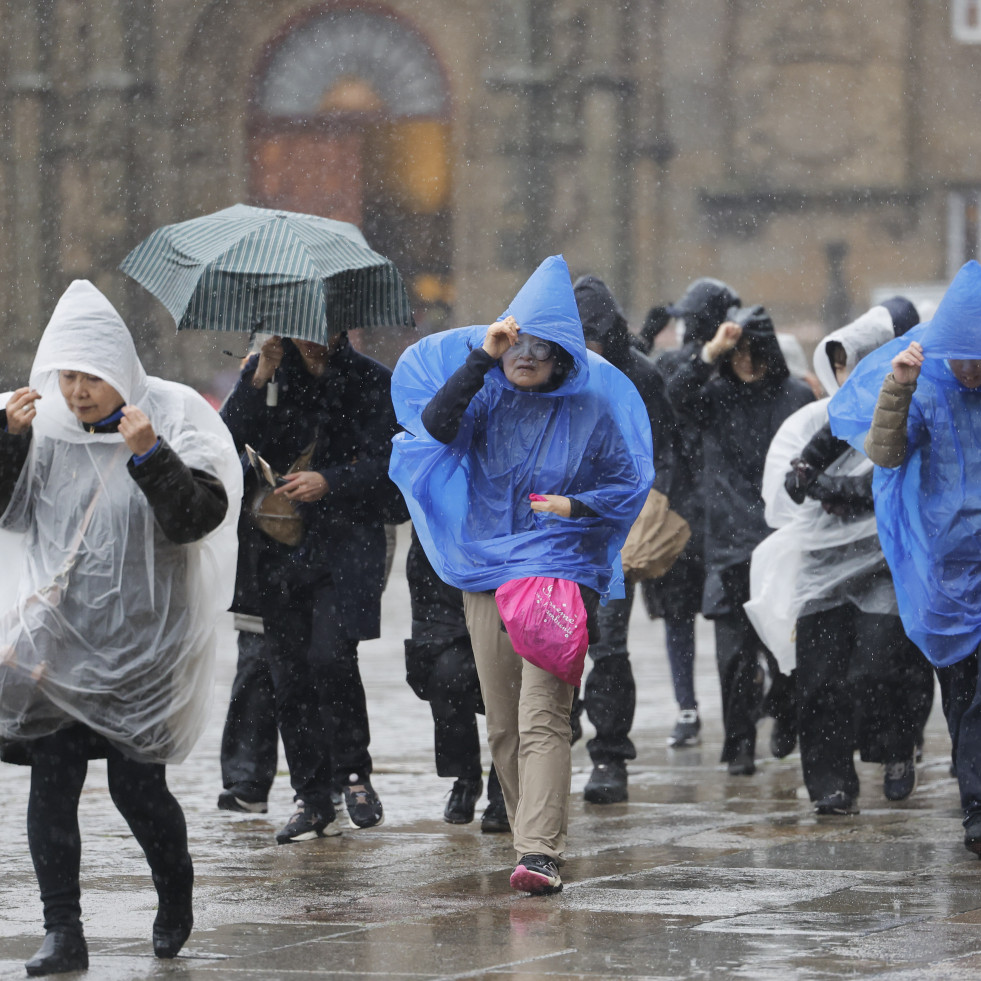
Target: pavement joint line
[477,972]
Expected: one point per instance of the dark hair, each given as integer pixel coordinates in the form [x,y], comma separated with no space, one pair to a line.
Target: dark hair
[835,349]
[564,368]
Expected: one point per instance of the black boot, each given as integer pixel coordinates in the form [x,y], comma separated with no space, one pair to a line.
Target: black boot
[494,820]
[607,784]
[463,799]
[175,914]
[63,950]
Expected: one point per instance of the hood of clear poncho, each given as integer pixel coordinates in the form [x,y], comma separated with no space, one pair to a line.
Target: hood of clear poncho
[859,338]
[85,334]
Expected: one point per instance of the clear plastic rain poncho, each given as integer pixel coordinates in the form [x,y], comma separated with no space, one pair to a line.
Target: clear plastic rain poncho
[107,622]
[929,508]
[815,560]
[589,439]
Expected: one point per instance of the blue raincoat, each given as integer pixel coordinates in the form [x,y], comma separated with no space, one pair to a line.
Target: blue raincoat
[589,439]
[929,508]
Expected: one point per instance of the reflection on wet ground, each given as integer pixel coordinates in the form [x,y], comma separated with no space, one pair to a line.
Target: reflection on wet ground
[699,875]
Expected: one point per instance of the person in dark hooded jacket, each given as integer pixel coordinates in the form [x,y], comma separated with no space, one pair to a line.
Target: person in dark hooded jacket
[320,598]
[609,695]
[739,409]
[677,595]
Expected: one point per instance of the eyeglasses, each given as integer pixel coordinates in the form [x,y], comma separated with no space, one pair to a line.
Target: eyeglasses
[534,348]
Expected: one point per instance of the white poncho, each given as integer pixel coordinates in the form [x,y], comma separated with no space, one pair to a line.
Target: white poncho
[815,560]
[107,622]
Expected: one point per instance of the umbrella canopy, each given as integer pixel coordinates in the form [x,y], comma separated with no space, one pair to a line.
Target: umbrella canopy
[255,269]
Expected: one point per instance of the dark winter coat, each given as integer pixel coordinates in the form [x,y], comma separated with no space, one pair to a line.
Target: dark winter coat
[737,421]
[348,410]
[603,321]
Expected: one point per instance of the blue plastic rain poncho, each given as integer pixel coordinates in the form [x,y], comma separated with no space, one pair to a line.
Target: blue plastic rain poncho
[929,508]
[589,439]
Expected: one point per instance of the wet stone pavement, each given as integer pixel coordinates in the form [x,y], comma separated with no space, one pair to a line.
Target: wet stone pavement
[699,875]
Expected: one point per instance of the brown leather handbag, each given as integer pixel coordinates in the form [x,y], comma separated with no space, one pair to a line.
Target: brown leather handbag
[275,515]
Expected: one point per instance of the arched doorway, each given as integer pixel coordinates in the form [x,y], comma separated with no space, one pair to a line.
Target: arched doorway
[350,120]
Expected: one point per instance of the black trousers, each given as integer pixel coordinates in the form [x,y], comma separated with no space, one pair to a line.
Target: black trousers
[737,652]
[445,675]
[250,739]
[960,692]
[320,700]
[858,679]
[610,694]
[141,795]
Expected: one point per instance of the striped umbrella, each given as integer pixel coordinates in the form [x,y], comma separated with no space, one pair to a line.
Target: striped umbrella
[254,269]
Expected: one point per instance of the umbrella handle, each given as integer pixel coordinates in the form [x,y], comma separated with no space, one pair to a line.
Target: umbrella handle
[272,391]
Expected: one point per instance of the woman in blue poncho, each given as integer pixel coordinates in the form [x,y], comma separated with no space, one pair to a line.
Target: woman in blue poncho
[920,422]
[493,415]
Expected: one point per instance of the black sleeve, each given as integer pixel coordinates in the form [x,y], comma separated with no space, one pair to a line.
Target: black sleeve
[446,408]
[187,504]
[822,449]
[580,510]
[847,497]
[686,387]
[14,450]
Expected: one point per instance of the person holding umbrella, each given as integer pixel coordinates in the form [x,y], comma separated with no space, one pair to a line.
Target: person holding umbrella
[305,281]
[125,489]
[320,597]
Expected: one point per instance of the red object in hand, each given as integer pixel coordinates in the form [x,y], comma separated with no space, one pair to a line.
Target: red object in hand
[537,497]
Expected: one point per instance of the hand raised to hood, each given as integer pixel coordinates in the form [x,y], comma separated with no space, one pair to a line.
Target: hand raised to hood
[137,430]
[21,410]
[501,336]
[907,364]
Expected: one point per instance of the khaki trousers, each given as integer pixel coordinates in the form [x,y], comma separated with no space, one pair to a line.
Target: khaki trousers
[528,730]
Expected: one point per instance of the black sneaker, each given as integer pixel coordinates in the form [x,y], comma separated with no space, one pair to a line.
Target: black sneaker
[686,729]
[898,779]
[463,799]
[972,834]
[227,801]
[607,784]
[537,874]
[363,806]
[837,803]
[305,824]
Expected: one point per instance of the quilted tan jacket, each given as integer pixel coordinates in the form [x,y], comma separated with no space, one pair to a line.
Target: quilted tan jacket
[885,443]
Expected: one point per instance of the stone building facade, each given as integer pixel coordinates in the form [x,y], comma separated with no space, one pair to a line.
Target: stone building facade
[807,153]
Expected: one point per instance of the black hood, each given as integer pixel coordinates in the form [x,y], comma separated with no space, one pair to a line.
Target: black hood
[704,307]
[601,316]
[763,344]
[904,314]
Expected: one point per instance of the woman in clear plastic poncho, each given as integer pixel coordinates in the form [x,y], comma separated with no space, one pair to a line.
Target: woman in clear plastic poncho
[822,597]
[124,489]
[492,415]
[915,407]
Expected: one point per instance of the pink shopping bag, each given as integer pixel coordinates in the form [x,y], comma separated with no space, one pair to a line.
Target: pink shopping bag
[546,621]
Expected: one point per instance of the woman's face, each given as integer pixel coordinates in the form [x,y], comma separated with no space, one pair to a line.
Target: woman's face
[968,373]
[89,398]
[528,364]
[743,365]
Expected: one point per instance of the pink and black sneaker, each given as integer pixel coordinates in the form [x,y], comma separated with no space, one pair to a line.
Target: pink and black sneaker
[537,874]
